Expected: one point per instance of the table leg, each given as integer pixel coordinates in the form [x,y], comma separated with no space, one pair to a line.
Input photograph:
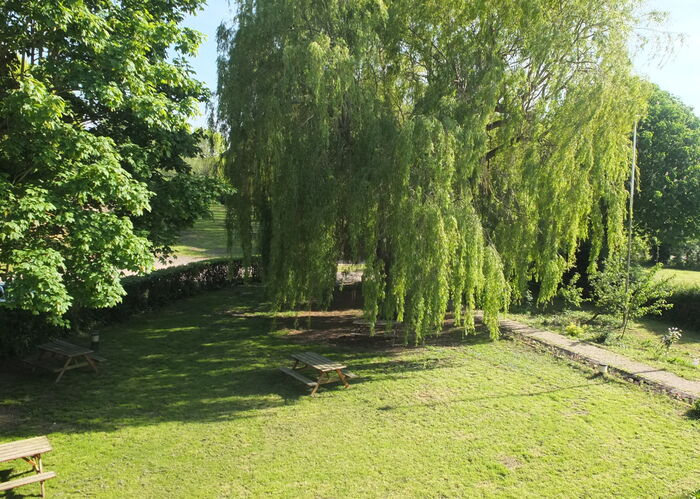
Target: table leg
[342,377]
[41,470]
[315,389]
[33,461]
[65,366]
[91,362]
[319,381]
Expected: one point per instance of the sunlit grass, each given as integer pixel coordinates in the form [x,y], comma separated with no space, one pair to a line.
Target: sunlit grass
[207,239]
[190,404]
[681,278]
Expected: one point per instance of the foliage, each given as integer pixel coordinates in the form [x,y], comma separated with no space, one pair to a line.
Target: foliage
[210,158]
[668,205]
[687,254]
[571,293]
[685,307]
[672,336]
[165,286]
[575,330]
[646,294]
[695,411]
[458,149]
[23,330]
[94,99]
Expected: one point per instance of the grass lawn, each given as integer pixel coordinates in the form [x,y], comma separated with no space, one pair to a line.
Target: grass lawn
[681,278]
[207,239]
[190,405]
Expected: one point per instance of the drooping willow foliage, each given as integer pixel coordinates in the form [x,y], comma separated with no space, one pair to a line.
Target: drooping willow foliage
[459,149]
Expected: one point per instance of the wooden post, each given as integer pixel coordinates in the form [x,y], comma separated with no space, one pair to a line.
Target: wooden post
[42,483]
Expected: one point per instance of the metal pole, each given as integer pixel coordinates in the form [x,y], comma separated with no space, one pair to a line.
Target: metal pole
[629,230]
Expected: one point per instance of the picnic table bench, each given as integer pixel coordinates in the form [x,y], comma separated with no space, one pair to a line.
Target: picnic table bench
[70,356]
[323,367]
[30,450]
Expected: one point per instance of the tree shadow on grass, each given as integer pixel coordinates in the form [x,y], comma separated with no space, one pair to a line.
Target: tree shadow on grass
[187,362]
[31,490]
[209,358]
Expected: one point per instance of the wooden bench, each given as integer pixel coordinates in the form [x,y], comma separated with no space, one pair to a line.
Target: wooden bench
[30,450]
[298,376]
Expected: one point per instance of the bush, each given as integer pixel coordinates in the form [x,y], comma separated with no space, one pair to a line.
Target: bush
[686,307]
[672,336]
[165,286]
[574,330]
[21,330]
[646,294]
[695,411]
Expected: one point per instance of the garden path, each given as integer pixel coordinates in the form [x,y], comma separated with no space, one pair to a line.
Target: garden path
[583,351]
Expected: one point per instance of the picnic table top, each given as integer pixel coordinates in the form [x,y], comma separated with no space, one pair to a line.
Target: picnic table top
[65,348]
[318,362]
[24,448]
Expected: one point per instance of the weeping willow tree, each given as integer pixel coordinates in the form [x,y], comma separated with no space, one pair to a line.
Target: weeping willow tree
[461,150]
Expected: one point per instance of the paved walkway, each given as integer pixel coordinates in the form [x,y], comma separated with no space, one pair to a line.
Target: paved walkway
[585,352]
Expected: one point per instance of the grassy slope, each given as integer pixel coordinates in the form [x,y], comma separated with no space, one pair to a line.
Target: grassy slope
[207,239]
[681,278]
[190,405]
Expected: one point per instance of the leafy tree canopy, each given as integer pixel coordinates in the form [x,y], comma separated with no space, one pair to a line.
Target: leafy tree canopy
[94,101]
[668,205]
[458,149]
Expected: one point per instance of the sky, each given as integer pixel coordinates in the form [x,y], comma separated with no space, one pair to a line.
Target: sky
[678,72]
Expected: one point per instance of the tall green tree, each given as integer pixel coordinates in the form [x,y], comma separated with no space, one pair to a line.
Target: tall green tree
[668,204]
[459,149]
[94,101]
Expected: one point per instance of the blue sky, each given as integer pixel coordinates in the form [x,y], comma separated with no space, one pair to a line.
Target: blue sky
[678,73]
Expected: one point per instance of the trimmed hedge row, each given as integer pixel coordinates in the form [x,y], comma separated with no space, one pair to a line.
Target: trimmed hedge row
[164,286]
[20,331]
[686,308]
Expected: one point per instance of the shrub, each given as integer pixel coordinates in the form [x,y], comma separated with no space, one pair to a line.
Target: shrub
[571,293]
[672,336]
[574,330]
[646,294]
[695,412]
[686,307]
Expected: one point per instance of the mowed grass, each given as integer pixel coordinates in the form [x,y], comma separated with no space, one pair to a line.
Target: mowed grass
[681,278]
[190,404]
[207,239]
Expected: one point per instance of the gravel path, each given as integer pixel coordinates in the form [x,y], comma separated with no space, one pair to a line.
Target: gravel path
[657,378]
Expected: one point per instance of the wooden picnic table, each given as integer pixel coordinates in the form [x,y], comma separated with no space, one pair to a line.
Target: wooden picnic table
[322,365]
[71,357]
[30,450]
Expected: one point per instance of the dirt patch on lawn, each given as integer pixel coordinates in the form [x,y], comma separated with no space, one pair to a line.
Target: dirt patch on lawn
[334,327]
[510,462]
[348,327]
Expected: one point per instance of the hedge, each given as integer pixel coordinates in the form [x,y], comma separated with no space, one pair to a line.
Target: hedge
[20,331]
[686,308]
